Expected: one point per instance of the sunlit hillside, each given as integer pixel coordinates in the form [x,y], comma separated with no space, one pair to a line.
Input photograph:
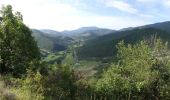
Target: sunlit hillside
[84,50]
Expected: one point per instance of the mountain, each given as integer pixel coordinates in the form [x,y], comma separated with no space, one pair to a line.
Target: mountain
[86,33]
[51,42]
[42,41]
[105,46]
[79,30]
[52,32]
[98,42]
[54,41]
[49,31]
[162,25]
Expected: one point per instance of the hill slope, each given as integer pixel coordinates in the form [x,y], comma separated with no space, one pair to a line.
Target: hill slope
[86,33]
[42,41]
[51,42]
[105,46]
[162,25]
[54,41]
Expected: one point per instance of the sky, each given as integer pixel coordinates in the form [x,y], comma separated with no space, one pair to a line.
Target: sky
[72,14]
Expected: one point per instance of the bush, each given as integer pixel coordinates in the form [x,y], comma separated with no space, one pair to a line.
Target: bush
[28,88]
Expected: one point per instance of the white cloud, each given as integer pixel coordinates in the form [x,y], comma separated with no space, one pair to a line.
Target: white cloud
[120,5]
[126,7]
[74,22]
[147,1]
[166,3]
[146,15]
[61,16]
[40,13]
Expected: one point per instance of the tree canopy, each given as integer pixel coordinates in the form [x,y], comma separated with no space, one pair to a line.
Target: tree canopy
[142,72]
[17,46]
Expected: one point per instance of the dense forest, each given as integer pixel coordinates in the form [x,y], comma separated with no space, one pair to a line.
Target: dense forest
[99,64]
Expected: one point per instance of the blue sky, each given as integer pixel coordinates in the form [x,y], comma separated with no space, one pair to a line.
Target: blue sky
[71,14]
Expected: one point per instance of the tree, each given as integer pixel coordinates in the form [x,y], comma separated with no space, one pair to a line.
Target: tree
[17,46]
[142,72]
[60,83]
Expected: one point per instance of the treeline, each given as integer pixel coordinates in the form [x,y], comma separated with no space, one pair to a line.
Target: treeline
[140,72]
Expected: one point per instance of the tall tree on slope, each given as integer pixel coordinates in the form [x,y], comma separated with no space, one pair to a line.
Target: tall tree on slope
[17,46]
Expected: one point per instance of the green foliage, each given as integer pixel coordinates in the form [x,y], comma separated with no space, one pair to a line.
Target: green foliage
[17,46]
[5,94]
[139,73]
[27,88]
[54,58]
[59,83]
[69,60]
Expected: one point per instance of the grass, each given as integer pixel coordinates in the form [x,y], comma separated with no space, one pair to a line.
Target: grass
[54,57]
[5,92]
[28,88]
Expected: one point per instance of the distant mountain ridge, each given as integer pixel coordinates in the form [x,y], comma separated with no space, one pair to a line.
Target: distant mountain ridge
[105,46]
[53,41]
[51,32]
[98,42]
[161,25]
[80,30]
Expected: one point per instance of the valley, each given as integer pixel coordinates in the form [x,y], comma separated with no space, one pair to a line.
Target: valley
[89,49]
[87,62]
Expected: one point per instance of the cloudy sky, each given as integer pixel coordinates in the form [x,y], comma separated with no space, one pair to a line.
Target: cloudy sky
[71,14]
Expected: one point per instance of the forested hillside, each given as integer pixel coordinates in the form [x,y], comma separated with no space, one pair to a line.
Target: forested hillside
[85,64]
[54,41]
[162,25]
[105,46]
